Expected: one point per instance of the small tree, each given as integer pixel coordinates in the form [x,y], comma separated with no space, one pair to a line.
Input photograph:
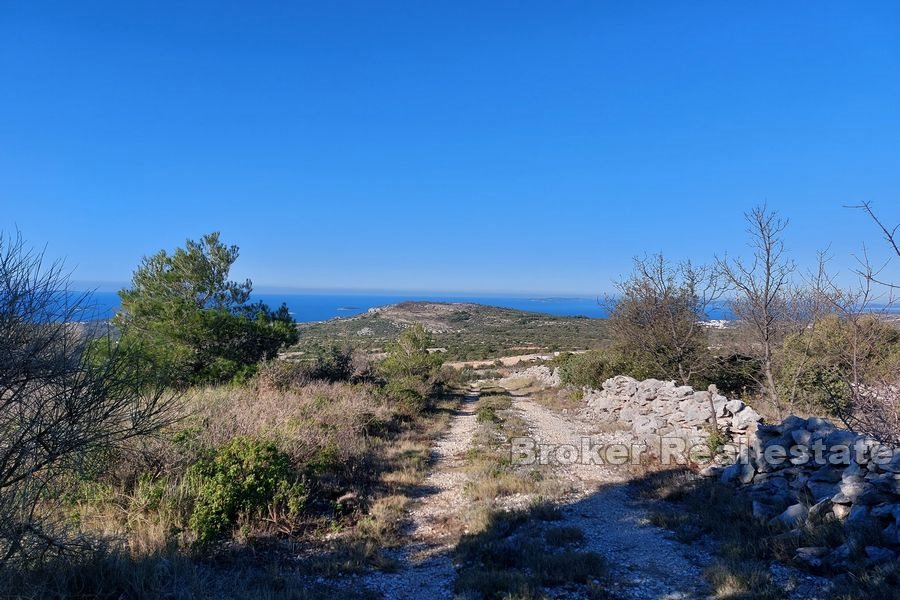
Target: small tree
[765,299]
[871,400]
[410,369]
[187,316]
[409,355]
[62,408]
[656,321]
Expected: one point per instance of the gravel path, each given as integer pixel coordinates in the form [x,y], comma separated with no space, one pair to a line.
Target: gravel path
[643,561]
[434,520]
[648,564]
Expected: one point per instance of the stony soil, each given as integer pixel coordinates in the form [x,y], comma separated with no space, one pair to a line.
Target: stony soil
[434,521]
[645,563]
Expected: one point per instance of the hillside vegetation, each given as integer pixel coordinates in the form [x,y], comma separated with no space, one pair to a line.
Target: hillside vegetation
[466,331]
[156,457]
[207,446]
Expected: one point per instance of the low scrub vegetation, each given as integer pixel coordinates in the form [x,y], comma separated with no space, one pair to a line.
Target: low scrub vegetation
[464,332]
[276,455]
[246,478]
[589,369]
[836,361]
[731,373]
[252,467]
[142,465]
[564,398]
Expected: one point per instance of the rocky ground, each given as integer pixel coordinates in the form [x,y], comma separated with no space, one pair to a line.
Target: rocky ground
[799,473]
[434,522]
[645,563]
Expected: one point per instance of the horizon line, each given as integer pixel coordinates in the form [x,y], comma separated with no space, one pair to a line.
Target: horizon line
[115,286]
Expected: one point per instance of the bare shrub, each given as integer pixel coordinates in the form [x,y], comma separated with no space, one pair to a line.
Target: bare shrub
[874,410]
[872,402]
[772,300]
[64,409]
[656,322]
[307,421]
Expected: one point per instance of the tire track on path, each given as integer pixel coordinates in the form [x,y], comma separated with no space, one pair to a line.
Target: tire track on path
[647,564]
[434,522]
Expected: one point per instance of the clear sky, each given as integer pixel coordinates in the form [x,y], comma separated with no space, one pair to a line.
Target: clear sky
[463,146]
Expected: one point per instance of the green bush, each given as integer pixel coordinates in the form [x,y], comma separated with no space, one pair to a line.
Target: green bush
[409,356]
[410,370]
[733,374]
[243,477]
[332,362]
[487,414]
[149,491]
[410,394]
[817,365]
[590,369]
[716,441]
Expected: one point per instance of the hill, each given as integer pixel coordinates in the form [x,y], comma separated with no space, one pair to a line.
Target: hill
[465,330]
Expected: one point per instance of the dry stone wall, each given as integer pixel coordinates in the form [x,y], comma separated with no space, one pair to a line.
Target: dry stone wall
[542,374]
[654,409]
[799,472]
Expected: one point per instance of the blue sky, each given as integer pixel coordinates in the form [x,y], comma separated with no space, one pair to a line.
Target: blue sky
[451,146]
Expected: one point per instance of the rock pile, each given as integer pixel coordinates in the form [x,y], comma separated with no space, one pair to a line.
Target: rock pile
[541,374]
[800,472]
[654,409]
[806,471]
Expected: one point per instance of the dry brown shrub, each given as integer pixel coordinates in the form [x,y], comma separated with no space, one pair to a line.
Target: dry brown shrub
[304,420]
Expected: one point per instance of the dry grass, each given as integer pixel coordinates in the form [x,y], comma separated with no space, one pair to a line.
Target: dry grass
[692,509]
[115,575]
[560,398]
[404,463]
[521,384]
[301,420]
[734,580]
[518,554]
[360,454]
[494,482]
[492,476]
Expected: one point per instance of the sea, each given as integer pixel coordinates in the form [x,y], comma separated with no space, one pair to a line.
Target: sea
[307,307]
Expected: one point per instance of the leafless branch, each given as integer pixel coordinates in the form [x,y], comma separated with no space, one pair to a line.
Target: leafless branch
[63,403]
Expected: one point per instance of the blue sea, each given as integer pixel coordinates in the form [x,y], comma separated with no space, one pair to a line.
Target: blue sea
[321,307]
[307,307]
